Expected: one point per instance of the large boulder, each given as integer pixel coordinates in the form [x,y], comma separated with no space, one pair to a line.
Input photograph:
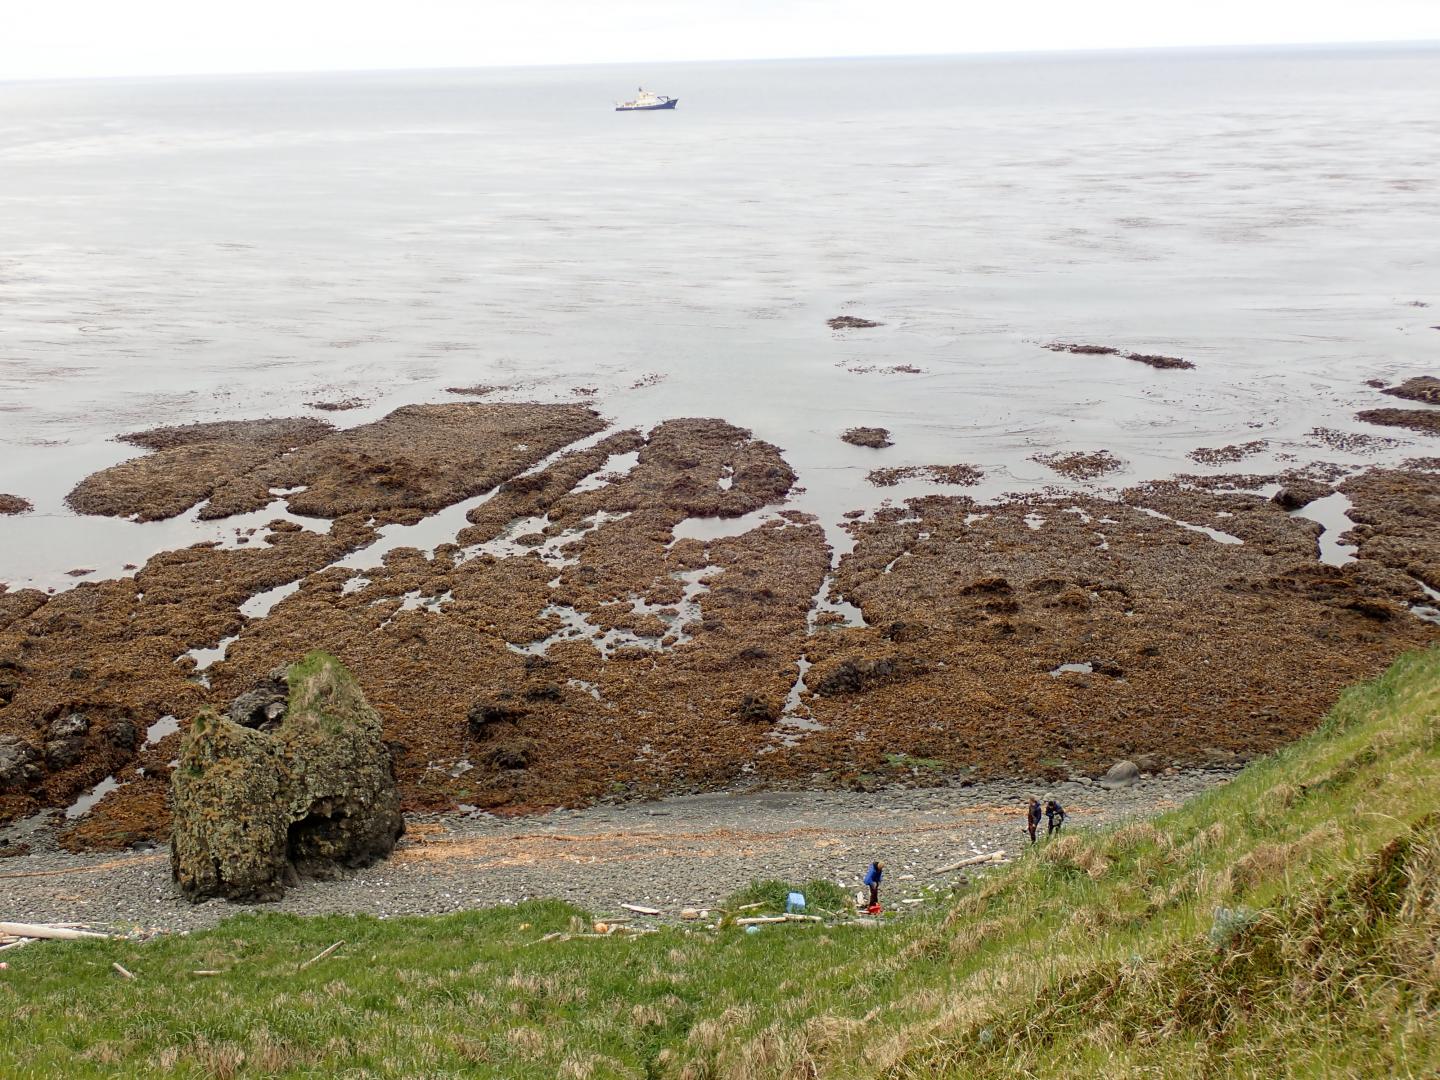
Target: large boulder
[18,763]
[1122,774]
[315,797]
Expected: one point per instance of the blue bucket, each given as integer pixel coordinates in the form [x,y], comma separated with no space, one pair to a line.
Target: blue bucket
[795,902]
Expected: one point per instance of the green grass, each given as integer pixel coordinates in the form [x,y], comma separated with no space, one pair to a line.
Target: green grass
[768,898]
[1284,925]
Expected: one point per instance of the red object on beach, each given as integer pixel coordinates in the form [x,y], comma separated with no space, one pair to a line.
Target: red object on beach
[874,909]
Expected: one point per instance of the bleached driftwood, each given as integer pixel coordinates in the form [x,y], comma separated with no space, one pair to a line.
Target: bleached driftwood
[322,955]
[46,932]
[122,971]
[758,920]
[641,909]
[974,860]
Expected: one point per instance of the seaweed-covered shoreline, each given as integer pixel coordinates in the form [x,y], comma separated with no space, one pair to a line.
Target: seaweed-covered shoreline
[571,613]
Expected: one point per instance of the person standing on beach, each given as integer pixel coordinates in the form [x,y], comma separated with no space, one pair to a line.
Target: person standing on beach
[872,879]
[1055,816]
[1032,818]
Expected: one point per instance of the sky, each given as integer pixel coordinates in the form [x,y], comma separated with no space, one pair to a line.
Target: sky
[88,38]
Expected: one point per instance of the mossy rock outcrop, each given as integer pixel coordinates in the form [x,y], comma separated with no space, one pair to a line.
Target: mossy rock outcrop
[256,811]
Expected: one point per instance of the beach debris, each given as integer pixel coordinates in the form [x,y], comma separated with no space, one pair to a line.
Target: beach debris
[641,909]
[321,955]
[973,860]
[765,920]
[47,932]
[122,971]
[255,811]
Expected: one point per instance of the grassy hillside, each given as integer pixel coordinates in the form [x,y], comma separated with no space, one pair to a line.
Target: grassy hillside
[1286,924]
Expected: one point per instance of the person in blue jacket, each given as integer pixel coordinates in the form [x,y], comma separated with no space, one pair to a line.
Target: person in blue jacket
[872,879]
[1055,815]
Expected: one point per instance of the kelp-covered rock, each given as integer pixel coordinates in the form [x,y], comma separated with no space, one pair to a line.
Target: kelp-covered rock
[231,815]
[344,809]
[254,810]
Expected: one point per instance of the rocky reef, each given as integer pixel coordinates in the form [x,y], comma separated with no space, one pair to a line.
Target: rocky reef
[315,796]
[634,613]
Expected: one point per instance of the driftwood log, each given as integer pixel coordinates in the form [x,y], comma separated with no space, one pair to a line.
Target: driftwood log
[49,933]
[758,920]
[974,860]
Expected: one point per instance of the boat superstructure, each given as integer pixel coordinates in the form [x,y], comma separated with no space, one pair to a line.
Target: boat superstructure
[645,101]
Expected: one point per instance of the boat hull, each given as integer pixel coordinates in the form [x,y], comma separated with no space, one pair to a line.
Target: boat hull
[648,108]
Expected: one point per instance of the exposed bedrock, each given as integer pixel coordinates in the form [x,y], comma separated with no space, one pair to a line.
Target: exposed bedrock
[255,811]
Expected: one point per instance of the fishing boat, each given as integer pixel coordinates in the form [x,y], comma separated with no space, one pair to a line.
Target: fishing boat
[645,101]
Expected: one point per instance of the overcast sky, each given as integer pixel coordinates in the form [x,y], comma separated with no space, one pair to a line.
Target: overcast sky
[42,38]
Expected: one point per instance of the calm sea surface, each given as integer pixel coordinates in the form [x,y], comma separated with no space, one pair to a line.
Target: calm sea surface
[176,250]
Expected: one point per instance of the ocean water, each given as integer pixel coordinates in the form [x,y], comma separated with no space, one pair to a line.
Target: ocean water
[193,249]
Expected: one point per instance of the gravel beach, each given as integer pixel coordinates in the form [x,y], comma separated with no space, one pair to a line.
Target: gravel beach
[681,852]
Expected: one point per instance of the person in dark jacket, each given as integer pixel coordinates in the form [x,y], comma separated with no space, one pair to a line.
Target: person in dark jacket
[872,879]
[1054,815]
[1032,818]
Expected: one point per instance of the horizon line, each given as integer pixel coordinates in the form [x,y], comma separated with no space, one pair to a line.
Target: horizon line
[1417,43]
